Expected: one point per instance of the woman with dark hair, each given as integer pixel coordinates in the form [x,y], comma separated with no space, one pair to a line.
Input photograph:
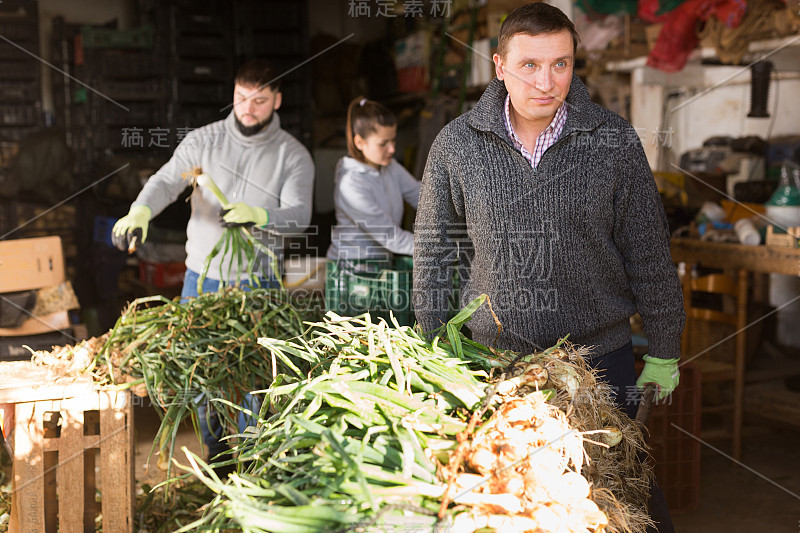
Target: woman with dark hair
[370,187]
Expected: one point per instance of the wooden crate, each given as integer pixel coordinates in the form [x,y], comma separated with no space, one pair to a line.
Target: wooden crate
[30,263]
[64,431]
[788,239]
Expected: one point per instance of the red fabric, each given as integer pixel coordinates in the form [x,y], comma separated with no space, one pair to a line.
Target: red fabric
[647,10]
[678,37]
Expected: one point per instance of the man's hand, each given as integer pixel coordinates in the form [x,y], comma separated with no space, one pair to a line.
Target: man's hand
[241,214]
[663,372]
[133,225]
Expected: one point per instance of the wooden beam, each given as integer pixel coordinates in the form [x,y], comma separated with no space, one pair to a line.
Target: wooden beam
[28,496]
[70,468]
[762,258]
[116,459]
[89,442]
[23,381]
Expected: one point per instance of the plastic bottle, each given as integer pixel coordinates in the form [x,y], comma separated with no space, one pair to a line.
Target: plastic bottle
[788,191]
[747,232]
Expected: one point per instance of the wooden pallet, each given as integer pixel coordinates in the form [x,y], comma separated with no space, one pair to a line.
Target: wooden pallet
[58,428]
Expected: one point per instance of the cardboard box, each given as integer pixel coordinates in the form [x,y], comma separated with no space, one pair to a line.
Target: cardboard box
[27,264]
[35,325]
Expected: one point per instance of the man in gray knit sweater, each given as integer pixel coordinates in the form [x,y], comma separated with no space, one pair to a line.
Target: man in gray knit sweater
[545,202]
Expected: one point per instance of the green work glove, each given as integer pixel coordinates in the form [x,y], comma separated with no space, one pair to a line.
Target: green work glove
[241,214]
[134,224]
[663,372]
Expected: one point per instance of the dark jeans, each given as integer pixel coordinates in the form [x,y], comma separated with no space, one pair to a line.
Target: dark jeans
[617,369]
[211,427]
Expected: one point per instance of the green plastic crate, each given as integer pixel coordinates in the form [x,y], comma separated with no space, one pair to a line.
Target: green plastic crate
[94,37]
[371,286]
[386,287]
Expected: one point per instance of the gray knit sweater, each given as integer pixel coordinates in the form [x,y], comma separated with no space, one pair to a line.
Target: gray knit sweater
[270,169]
[574,246]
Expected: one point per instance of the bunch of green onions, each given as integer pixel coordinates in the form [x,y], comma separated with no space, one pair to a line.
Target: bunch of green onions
[187,353]
[237,241]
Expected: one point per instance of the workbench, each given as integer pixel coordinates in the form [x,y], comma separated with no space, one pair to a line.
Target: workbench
[729,256]
[762,259]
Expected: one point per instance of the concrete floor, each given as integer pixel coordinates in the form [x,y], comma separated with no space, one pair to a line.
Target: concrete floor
[761,494]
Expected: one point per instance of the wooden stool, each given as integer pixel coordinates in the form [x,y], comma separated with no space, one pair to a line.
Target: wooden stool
[58,423]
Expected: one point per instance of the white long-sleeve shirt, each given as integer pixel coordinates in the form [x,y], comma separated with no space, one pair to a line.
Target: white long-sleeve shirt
[369,210]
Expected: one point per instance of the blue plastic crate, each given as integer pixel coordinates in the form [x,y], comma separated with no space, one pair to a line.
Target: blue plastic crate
[102,230]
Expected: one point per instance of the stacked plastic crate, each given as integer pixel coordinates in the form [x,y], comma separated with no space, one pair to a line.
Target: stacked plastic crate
[62,50]
[200,44]
[20,70]
[278,30]
[110,101]
[117,107]
[124,101]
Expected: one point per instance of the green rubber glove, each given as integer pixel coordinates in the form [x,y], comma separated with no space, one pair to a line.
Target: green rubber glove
[662,372]
[241,214]
[133,224]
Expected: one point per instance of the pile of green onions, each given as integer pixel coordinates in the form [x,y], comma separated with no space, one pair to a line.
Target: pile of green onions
[187,353]
[357,444]
[345,445]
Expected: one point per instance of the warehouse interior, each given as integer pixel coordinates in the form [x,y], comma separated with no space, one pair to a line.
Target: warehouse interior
[97,96]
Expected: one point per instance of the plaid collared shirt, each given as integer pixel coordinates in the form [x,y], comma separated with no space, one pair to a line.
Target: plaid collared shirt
[545,140]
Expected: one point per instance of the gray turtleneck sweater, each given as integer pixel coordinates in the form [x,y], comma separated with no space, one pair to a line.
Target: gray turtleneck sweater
[270,169]
[573,247]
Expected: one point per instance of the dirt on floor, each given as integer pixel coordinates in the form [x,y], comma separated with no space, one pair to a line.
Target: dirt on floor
[146,423]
